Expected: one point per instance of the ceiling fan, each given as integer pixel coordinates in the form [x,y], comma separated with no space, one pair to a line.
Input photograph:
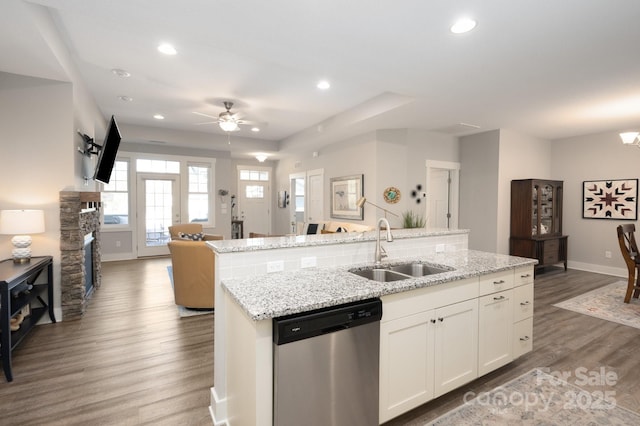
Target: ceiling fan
[227,120]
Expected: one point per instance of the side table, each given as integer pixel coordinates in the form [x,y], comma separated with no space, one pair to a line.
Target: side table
[21,278]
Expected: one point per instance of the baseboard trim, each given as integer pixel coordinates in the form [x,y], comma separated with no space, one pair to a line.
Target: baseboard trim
[598,269]
[218,409]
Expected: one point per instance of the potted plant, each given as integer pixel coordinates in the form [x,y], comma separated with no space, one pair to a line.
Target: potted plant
[412,220]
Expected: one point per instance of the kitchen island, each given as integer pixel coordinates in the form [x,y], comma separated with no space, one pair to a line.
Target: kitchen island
[312,272]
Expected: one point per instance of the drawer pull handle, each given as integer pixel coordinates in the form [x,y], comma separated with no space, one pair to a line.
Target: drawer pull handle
[499,282]
[524,339]
[525,276]
[524,303]
[498,298]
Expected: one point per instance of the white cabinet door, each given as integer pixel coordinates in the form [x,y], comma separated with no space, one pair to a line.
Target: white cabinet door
[455,346]
[406,363]
[495,331]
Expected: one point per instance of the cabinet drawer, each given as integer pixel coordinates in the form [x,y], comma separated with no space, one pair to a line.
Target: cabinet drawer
[522,337]
[523,276]
[498,281]
[522,302]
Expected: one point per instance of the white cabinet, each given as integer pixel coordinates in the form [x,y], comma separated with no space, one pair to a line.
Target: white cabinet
[523,312]
[495,331]
[455,346]
[427,349]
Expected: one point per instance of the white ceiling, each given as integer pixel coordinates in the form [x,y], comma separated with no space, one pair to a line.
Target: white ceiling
[551,69]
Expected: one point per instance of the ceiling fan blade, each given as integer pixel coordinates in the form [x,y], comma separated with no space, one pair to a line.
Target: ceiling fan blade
[205,115]
[206,122]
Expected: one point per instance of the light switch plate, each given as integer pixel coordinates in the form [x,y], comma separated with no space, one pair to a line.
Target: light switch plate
[439,248]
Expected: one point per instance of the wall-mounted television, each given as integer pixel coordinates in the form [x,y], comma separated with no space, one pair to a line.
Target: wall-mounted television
[108,152]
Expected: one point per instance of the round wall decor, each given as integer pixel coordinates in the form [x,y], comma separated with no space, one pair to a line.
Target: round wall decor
[391,195]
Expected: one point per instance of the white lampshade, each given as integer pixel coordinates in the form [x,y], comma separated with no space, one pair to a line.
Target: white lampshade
[18,222]
[629,137]
[21,223]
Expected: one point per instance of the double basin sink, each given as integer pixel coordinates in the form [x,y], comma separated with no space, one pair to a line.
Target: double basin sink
[400,272]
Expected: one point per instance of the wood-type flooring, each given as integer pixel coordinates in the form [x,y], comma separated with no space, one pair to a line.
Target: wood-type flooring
[132,361]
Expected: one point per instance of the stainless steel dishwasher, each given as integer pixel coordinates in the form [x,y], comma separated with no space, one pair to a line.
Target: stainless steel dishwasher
[326,366]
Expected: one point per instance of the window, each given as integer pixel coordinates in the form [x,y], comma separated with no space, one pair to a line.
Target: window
[157,166]
[299,195]
[260,175]
[198,199]
[254,191]
[115,195]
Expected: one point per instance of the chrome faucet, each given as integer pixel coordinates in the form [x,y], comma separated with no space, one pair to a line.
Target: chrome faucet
[380,252]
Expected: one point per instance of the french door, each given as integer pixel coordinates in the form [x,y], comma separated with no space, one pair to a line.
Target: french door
[158,208]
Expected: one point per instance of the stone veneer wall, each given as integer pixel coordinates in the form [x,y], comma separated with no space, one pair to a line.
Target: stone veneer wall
[79,215]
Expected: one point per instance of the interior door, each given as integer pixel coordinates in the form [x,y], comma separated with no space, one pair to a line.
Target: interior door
[159,208]
[254,201]
[315,196]
[443,193]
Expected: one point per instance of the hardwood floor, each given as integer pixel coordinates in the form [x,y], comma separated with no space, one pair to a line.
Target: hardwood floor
[132,361]
[129,361]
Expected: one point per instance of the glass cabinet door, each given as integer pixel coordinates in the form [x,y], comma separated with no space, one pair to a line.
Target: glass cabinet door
[543,208]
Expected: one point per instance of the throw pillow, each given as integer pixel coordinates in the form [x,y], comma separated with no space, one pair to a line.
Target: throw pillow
[192,237]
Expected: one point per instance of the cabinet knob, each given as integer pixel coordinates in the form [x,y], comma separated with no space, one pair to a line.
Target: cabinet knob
[525,276]
[498,298]
[524,303]
[433,321]
[499,282]
[440,319]
[524,339]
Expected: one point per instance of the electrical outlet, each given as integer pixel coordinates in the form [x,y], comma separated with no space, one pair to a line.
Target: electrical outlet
[607,254]
[275,266]
[308,262]
[118,244]
[439,248]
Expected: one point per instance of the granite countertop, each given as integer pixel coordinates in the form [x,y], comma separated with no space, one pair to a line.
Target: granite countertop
[290,241]
[283,293]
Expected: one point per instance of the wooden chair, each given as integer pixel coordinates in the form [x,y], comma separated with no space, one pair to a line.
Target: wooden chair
[629,250]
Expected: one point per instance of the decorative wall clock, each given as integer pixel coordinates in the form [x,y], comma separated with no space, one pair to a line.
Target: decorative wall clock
[391,195]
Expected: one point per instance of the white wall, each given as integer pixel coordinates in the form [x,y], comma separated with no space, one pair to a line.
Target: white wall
[592,157]
[479,166]
[36,118]
[392,157]
[521,157]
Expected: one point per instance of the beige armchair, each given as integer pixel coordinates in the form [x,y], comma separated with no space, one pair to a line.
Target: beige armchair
[193,266]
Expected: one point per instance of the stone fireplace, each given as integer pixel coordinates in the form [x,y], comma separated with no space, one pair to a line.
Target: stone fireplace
[79,223]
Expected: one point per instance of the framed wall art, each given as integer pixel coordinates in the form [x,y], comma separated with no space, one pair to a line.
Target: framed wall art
[610,199]
[345,193]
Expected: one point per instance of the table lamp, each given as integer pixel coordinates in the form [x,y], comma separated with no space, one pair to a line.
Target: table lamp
[20,223]
[363,200]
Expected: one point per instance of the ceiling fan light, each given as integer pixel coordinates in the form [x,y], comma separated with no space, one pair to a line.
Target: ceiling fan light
[629,137]
[261,157]
[228,125]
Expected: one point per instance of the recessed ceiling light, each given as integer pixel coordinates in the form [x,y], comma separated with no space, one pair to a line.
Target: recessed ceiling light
[463,25]
[159,117]
[125,98]
[121,73]
[167,49]
[323,85]
[255,129]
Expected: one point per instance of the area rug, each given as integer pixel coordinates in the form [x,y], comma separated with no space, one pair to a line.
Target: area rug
[538,398]
[606,303]
[183,311]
